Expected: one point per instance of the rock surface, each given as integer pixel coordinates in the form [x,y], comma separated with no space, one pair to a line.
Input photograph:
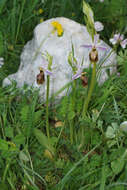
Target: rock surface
[59,47]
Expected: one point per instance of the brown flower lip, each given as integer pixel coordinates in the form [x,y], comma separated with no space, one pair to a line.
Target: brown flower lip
[93,55]
[40,77]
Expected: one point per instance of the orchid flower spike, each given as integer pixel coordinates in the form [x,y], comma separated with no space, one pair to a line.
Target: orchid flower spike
[1,61]
[95,44]
[119,39]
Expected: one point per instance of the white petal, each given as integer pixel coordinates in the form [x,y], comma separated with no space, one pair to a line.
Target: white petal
[113,41]
[98,26]
[123,43]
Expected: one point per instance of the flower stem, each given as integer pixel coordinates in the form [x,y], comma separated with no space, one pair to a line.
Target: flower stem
[5,171]
[73,107]
[47,107]
[85,107]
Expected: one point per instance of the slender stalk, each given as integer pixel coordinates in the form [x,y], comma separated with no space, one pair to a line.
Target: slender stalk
[85,107]
[5,171]
[47,107]
[73,107]
[90,90]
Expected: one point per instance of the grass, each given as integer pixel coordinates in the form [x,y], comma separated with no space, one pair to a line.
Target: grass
[28,159]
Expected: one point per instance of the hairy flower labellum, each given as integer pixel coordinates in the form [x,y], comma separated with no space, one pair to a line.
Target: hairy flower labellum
[93,55]
[84,79]
[40,77]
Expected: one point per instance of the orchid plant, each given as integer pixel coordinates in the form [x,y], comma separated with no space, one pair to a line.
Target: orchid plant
[92,28]
[47,67]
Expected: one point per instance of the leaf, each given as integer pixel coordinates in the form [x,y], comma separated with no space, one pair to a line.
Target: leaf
[110,133]
[3,145]
[9,132]
[44,141]
[2,4]
[19,139]
[23,156]
[71,115]
[37,116]
[117,165]
[3,186]
[1,44]
[48,154]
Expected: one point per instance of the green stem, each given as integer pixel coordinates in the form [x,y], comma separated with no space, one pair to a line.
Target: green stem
[47,107]
[85,107]
[73,107]
[5,171]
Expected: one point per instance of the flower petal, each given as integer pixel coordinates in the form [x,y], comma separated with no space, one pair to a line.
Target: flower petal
[102,48]
[113,41]
[86,46]
[98,26]
[123,43]
[48,72]
[77,75]
[96,39]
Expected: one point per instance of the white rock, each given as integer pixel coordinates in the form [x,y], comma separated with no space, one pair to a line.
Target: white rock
[59,47]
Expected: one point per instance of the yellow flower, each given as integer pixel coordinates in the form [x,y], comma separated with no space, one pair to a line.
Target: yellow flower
[41,20]
[40,11]
[57,26]
[73,14]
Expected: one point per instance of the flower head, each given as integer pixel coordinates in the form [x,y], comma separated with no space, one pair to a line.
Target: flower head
[119,39]
[94,46]
[40,11]
[78,72]
[1,61]
[57,26]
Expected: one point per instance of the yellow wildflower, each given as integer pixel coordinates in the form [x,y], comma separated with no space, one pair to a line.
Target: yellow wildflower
[41,20]
[73,14]
[40,11]
[57,26]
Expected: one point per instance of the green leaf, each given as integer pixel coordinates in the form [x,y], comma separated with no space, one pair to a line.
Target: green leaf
[3,186]
[19,139]
[43,140]
[1,44]
[3,145]
[9,132]
[23,156]
[37,116]
[110,133]
[71,115]
[117,165]
[2,4]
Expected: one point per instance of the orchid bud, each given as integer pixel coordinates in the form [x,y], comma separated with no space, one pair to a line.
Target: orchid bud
[93,55]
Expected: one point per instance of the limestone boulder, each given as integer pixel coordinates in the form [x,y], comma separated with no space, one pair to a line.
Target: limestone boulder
[44,40]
